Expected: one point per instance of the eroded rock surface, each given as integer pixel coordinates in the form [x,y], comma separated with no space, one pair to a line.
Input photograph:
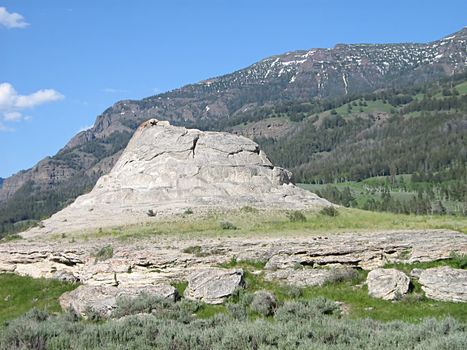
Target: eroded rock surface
[167,169]
[445,284]
[387,284]
[212,286]
[166,259]
[102,299]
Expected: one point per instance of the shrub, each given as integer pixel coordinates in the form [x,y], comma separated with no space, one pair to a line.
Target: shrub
[459,261]
[198,251]
[341,274]
[151,213]
[264,303]
[188,211]
[227,225]
[296,216]
[248,209]
[104,253]
[311,324]
[329,211]
[162,308]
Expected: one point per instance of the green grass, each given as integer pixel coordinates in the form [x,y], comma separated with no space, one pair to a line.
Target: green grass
[456,261]
[354,295]
[20,294]
[276,223]
[462,88]
[372,106]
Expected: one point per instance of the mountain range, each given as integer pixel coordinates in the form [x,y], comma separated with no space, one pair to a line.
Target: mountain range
[250,101]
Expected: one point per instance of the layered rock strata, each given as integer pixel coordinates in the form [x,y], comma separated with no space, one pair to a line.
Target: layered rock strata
[167,169]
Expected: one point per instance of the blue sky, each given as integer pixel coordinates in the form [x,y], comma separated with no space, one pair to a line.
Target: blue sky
[64,62]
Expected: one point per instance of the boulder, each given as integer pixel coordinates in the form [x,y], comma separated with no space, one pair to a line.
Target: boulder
[213,285]
[65,276]
[102,299]
[445,284]
[387,284]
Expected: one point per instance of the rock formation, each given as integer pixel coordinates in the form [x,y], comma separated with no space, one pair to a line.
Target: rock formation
[445,284]
[212,286]
[166,169]
[102,299]
[387,284]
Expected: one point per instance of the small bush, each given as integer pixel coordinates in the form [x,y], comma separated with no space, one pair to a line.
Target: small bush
[329,211]
[188,211]
[296,216]
[342,274]
[237,311]
[459,261]
[264,303]
[293,292]
[151,213]
[227,225]
[198,251]
[104,253]
[248,209]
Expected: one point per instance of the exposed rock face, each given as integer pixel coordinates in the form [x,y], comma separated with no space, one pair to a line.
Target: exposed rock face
[168,169]
[103,299]
[212,286]
[445,284]
[160,260]
[387,284]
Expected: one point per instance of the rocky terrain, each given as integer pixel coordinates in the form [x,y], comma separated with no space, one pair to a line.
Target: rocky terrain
[295,76]
[153,265]
[168,169]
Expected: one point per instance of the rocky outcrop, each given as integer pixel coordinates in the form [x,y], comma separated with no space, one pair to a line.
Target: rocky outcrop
[212,286]
[102,300]
[445,284]
[167,169]
[387,284]
[162,259]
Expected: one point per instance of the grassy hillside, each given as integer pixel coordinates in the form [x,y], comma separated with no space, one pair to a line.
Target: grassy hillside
[399,194]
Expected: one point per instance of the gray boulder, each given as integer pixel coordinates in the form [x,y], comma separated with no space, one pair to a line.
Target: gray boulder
[213,285]
[102,299]
[445,284]
[387,284]
[65,276]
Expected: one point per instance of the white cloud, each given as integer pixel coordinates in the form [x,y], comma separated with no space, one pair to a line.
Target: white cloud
[10,99]
[11,20]
[12,103]
[12,116]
